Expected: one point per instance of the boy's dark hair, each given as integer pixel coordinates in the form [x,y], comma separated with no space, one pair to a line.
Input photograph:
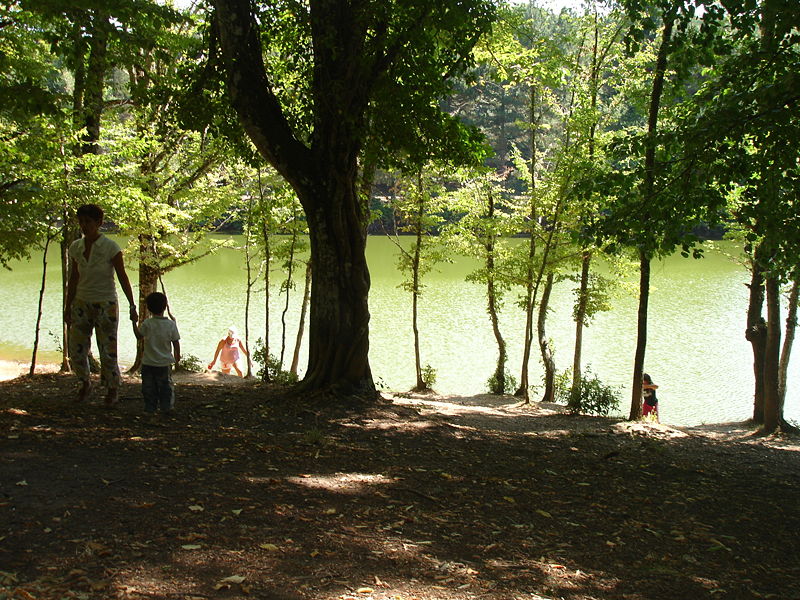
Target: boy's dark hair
[156,303]
[92,211]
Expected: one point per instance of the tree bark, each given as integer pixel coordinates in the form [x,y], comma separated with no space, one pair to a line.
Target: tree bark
[580,318]
[248,258]
[95,82]
[756,334]
[544,344]
[415,262]
[287,287]
[772,416]
[531,288]
[39,305]
[492,307]
[788,341]
[148,283]
[641,337]
[301,326]
[265,237]
[339,315]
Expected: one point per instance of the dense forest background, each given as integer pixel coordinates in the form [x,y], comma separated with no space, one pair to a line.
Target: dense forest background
[616,132]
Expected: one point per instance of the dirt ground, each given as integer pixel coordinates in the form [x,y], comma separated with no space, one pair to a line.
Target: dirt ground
[246,492]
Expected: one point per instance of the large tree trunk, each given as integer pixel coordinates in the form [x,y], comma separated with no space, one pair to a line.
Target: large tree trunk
[544,344]
[756,334]
[323,173]
[339,314]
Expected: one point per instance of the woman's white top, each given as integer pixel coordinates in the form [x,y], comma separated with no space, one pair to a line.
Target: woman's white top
[96,282]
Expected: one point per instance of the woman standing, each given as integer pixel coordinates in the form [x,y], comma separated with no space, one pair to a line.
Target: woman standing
[91,303]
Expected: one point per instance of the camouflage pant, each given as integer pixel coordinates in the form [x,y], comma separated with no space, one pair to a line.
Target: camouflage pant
[102,318]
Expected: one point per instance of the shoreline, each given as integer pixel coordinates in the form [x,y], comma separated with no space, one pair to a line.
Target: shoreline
[11,369]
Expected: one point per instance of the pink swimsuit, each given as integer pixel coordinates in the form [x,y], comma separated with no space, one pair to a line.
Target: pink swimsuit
[230,351]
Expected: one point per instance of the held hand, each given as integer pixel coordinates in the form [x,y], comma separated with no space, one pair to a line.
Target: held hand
[134,315]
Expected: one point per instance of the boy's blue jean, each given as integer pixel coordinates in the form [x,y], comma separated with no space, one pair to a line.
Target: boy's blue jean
[157,388]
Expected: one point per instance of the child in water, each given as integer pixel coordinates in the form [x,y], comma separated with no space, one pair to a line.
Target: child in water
[228,350]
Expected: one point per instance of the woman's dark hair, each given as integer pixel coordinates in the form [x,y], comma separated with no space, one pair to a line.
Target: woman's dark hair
[646,378]
[92,211]
[156,303]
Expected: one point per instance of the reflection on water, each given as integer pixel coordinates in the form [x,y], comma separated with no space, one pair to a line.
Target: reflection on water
[696,348]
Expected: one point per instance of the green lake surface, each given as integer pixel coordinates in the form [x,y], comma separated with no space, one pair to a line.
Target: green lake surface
[696,350]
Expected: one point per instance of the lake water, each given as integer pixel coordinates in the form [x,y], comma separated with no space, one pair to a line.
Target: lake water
[696,347]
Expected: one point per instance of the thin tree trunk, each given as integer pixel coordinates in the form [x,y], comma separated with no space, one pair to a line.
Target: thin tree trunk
[249,289]
[415,264]
[648,186]
[301,326]
[287,289]
[530,287]
[39,305]
[586,258]
[580,318]
[772,416]
[756,333]
[641,337]
[420,385]
[788,341]
[544,344]
[492,308]
[265,238]
[68,235]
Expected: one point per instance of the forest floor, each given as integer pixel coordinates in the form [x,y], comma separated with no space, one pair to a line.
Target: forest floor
[246,492]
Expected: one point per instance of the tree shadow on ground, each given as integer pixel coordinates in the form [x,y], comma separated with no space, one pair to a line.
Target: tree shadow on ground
[245,494]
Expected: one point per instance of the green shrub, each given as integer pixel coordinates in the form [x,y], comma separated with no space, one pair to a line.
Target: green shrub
[428,376]
[509,384]
[592,398]
[189,362]
[271,368]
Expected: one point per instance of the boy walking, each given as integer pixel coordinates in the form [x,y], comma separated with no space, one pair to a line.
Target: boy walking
[161,348]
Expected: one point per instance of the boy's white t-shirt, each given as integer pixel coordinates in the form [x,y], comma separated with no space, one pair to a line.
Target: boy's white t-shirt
[158,333]
[96,281]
